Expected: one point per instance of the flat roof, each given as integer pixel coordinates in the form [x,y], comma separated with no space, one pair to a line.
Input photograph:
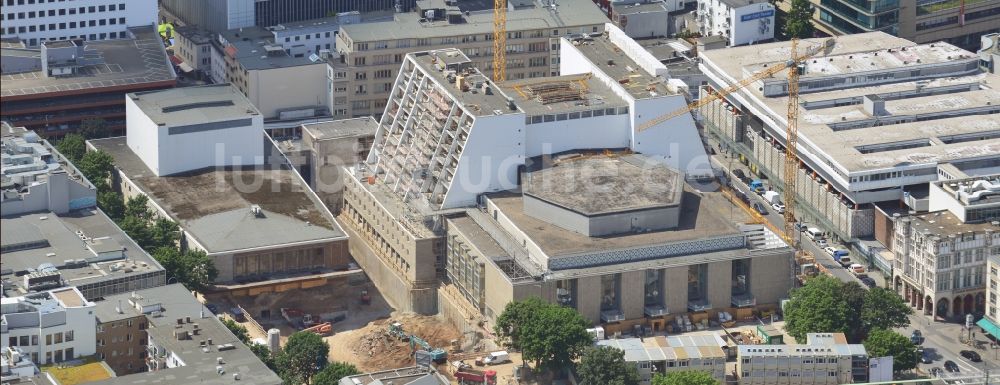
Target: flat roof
[20,143]
[614,62]
[200,366]
[249,47]
[214,206]
[478,103]
[967,187]
[193,33]
[703,215]
[477,236]
[667,49]
[193,105]
[595,184]
[950,135]
[669,348]
[401,376]
[568,13]
[629,8]
[69,297]
[943,223]
[126,62]
[583,93]
[44,237]
[342,128]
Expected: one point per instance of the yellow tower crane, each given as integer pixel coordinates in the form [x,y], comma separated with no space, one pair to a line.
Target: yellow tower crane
[499,40]
[791,133]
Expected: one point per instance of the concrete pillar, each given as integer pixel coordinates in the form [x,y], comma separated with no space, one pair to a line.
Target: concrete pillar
[675,289]
[633,293]
[588,298]
[920,301]
[720,284]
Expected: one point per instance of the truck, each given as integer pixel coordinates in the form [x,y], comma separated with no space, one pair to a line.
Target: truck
[472,376]
[757,186]
[772,197]
[496,358]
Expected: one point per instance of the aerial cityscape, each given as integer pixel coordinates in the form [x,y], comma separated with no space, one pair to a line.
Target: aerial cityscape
[500,192]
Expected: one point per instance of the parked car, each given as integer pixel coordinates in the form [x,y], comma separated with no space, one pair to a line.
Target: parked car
[845,262]
[869,281]
[926,355]
[936,371]
[951,366]
[971,356]
[739,174]
[857,269]
[760,208]
[917,337]
[780,208]
[821,242]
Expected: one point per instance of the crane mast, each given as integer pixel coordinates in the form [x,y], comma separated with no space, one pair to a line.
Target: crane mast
[499,40]
[791,143]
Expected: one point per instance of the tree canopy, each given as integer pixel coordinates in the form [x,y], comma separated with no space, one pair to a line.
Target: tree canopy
[192,268]
[549,335]
[239,330]
[798,22]
[332,373]
[685,377]
[605,365]
[304,355]
[97,166]
[94,128]
[885,343]
[72,146]
[826,305]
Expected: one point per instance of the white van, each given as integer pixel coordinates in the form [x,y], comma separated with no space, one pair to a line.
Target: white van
[496,358]
[814,233]
[597,333]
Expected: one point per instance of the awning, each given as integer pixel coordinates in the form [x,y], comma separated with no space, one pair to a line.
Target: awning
[185,67]
[989,327]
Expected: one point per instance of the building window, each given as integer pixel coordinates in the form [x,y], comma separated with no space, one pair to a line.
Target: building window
[610,289]
[69,336]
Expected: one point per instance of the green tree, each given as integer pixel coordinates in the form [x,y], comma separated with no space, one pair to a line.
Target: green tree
[798,22]
[239,330]
[138,230]
[816,307]
[854,296]
[164,233]
[264,354]
[94,128]
[72,146]
[112,204]
[332,373]
[884,309]
[550,335]
[685,377]
[885,343]
[97,166]
[304,355]
[605,365]
[200,270]
[138,207]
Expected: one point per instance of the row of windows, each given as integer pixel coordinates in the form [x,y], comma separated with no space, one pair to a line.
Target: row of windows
[308,37]
[50,339]
[406,43]
[63,12]
[575,115]
[23,2]
[62,26]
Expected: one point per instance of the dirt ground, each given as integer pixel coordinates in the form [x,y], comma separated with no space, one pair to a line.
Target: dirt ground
[371,348]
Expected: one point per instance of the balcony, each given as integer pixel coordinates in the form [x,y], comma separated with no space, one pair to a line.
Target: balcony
[744,300]
[609,316]
[699,305]
[655,311]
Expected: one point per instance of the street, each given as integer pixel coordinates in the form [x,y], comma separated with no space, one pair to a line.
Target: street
[941,338]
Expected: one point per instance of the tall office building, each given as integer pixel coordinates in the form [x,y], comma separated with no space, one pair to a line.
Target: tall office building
[921,21]
[35,21]
[221,15]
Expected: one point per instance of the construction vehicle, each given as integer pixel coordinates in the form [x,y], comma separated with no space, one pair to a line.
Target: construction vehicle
[323,329]
[438,355]
[365,298]
[472,376]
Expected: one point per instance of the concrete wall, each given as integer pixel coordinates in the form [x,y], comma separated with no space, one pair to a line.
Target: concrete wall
[394,287]
[142,135]
[59,195]
[770,277]
[487,163]
[179,153]
[121,343]
[675,292]
[646,24]
[588,298]
[633,294]
[719,287]
[275,89]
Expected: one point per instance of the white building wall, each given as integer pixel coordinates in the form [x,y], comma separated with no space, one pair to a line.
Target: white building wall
[218,67]
[142,135]
[489,162]
[608,131]
[26,21]
[677,139]
[288,88]
[751,23]
[80,320]
[216,148]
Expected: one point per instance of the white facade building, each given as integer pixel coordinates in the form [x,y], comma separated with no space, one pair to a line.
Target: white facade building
[741,21]
[184,129]
[37,178]
[54,326]
[35,21]
[613,84]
